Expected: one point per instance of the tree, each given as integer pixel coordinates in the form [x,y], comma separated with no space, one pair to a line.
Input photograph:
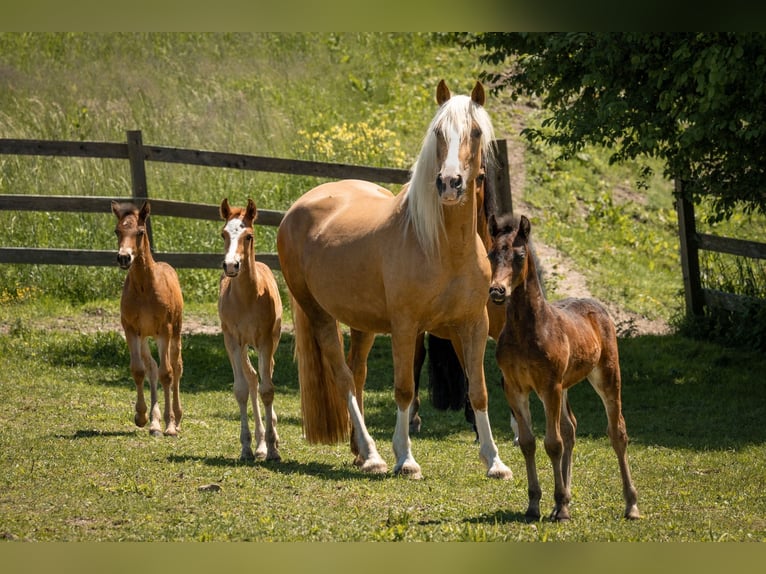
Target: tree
[695,100]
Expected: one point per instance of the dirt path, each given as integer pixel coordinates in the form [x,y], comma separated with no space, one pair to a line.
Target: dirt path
[559,271]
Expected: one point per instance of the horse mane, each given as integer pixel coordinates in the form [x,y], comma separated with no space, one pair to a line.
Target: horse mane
[424,211]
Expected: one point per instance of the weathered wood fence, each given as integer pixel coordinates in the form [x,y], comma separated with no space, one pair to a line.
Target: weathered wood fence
[138,154]
[692,243]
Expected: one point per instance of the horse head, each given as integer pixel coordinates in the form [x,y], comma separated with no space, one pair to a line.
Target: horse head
[237,235]
[508,255]
[130,231]
[458,142]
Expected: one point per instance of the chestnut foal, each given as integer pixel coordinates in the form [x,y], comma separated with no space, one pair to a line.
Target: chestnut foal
[151,306]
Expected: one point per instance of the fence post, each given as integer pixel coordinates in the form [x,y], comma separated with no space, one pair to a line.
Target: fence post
[138,173]
[690,266]
[500,176]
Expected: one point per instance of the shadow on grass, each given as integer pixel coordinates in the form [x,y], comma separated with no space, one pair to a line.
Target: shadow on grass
[677,392]
[682,393]
[500,517]
[286,467]
[93,433]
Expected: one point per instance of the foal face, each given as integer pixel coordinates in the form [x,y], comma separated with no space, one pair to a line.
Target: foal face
[508,255]
[237,235]
[237,238]
[130,231]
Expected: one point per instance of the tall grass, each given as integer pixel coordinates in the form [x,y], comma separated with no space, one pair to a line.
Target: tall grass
[355,98]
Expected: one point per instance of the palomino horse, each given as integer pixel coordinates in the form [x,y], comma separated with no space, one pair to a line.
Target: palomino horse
[250,310]
[447,384]
[354,253]
[151,306]
[547,348]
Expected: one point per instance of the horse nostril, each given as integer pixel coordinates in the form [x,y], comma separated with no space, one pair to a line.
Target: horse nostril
[457,182]
[439,184]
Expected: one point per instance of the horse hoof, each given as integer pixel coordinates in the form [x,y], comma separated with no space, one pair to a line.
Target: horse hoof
[560,515]
[155,432]
[273,456]
[415,425]
[374,466]
[532,514]
[246,456]
[409,470]
[140,421]
[632,513]
[500,471]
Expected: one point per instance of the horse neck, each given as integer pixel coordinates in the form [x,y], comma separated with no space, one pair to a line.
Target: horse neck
[460,225]
[528,303]
[248,277]
[144,263]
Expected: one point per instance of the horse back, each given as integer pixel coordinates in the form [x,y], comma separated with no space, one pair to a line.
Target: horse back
[591,337]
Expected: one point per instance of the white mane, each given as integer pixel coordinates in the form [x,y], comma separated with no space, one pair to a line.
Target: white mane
[424,210]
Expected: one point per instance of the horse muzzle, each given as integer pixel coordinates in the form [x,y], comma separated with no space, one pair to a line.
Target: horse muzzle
[124,259]
[231,268]
[498,294]
[450,189]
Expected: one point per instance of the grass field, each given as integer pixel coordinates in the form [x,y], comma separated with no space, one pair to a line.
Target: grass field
[74,466]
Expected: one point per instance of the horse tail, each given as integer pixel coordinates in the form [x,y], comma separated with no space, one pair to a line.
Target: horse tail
[325,414]
[447,383]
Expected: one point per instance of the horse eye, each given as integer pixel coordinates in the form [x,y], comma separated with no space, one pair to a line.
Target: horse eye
[475,133]
[249,237]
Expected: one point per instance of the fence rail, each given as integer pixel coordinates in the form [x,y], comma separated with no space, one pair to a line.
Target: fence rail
[138,154]
[697,297]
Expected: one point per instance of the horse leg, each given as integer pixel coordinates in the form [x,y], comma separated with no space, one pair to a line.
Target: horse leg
[359,350]
[420,359]
[242,392]
[607,384]
[266,392]
[178,367]
[568,427]
[404,390]
[166,377]
[471,345]
[554,446]
[138,372]
[330,344]
[519,404]
[155,428]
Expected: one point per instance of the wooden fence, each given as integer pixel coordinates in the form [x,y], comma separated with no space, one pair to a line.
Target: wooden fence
[692,243]
[138,154]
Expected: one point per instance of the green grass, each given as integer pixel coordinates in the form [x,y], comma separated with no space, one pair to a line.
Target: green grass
[74,466]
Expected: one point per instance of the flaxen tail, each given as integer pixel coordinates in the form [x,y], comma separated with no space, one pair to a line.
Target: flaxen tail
[325,413]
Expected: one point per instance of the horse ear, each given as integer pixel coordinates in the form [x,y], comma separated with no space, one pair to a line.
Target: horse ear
[442,92]
[525,227]
[225,209]
[251,212]
[477,95]
[145,211]
[492,225]
[116,208]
